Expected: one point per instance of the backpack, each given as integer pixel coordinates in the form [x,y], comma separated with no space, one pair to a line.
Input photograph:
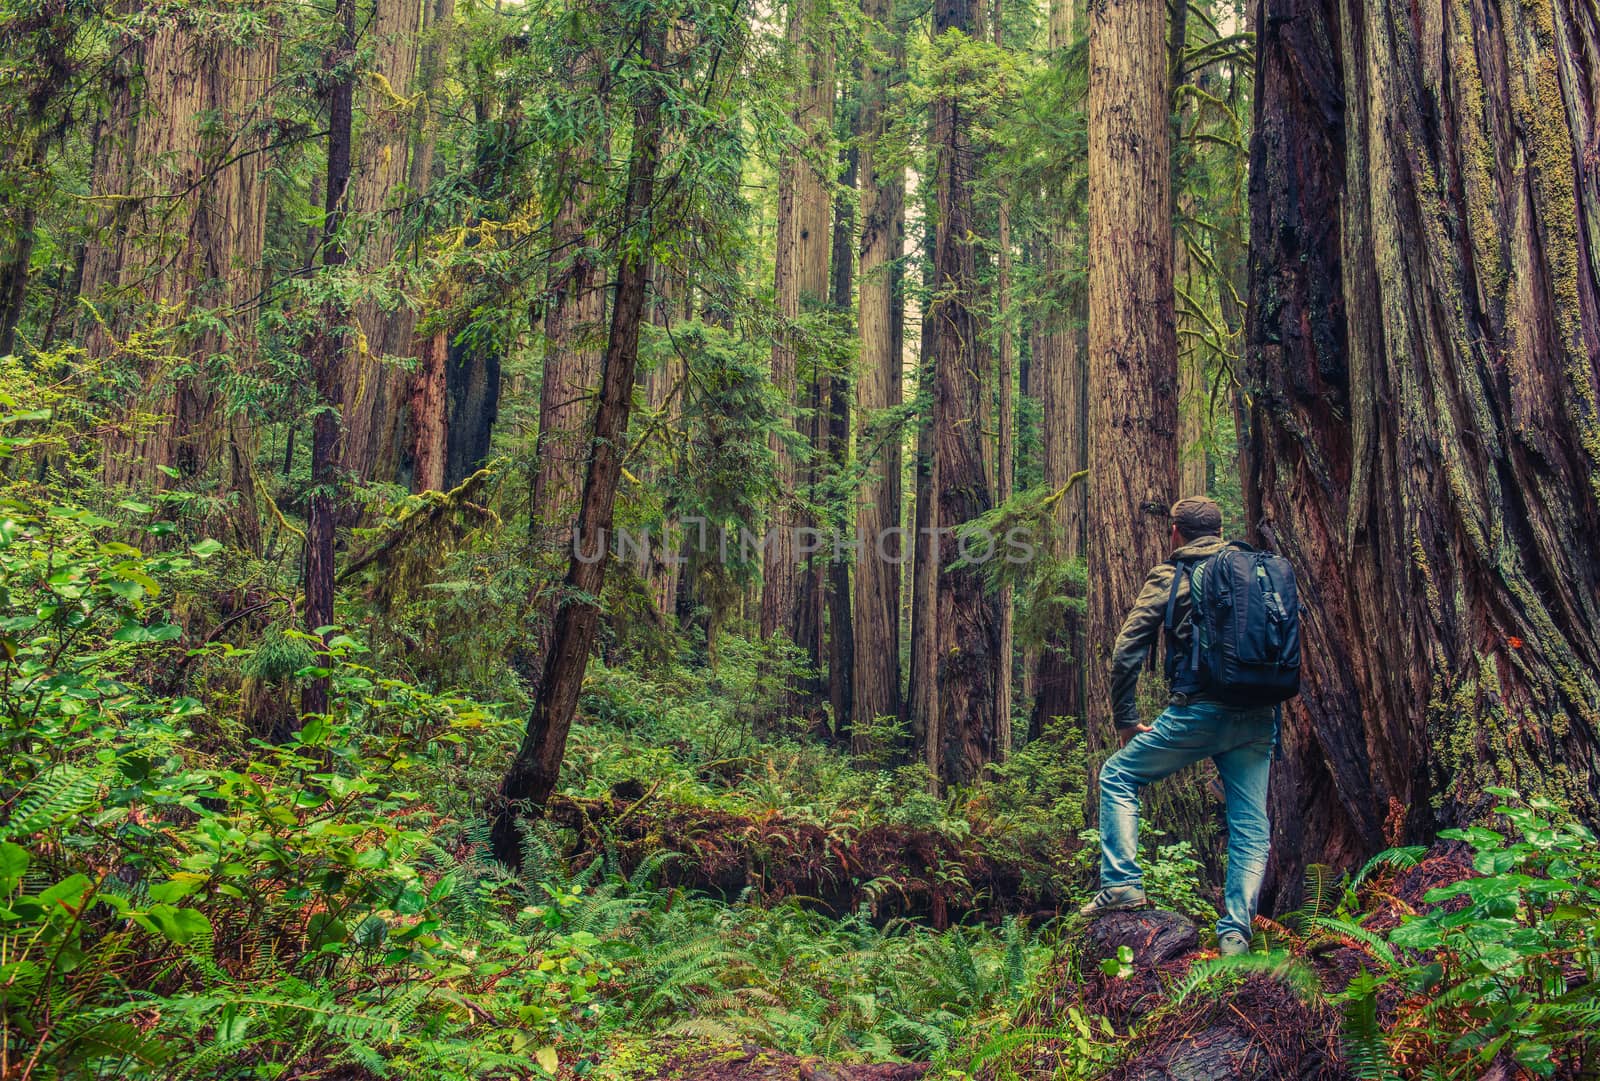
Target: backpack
[1244,643]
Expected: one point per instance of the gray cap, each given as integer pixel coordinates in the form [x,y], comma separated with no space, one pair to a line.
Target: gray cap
[1197,516]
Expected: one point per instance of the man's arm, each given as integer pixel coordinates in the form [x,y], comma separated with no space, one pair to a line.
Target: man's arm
[1138,633]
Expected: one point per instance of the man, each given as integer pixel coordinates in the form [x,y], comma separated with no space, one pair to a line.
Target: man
[1239,741]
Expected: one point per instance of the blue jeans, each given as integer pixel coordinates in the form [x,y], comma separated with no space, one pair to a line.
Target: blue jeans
[1241,743]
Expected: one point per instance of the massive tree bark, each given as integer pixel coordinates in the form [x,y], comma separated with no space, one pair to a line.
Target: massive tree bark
[967,628]
[390,164]
[1133,349]
[790,592]
[180,235]
[537,766]
[1060,374]
[878,383]
[1424,349]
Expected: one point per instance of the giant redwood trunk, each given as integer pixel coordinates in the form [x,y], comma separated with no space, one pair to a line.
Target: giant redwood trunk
[179,186]
[537,766]
[1133,346]
[967,626]
[1061,376]
[389,163]
[1424,348]
[790,592]
[876,669]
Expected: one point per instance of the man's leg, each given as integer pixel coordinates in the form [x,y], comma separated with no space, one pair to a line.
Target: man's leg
[1245,771]
[1182,735]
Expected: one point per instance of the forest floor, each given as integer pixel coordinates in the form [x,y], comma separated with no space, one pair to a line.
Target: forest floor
[1179,1012]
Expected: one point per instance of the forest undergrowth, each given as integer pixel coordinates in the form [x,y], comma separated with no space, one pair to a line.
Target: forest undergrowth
[714,884]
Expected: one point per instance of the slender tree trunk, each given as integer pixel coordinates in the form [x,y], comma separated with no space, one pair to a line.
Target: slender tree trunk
[1060,374]
[967,627]
[1133,349]
[878,386]
[1424,349]
[924,682]
[841,628]
[575,309]
[1188,296]
[1005,464]
[537,766]
[327,350]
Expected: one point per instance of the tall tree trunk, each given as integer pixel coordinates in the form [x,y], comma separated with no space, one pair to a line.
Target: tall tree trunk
[537,766]
[181,233]
[790,594]
[1133,348]
[575,309]
[1060,374]
[967,627]
[383,175]
[841,628]
[1005,464]
[425,454]
[1424,347]
[427,412]
[878,383]
[1188,296]
[327,350]
[924,682]
[574,315]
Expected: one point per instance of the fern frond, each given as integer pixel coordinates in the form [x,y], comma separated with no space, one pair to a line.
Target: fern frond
[1322,890]
[1403,858]
[52,798]
[1373,943]
[1217,974]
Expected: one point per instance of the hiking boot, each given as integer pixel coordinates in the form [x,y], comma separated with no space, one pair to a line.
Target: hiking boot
[1232,944]
[1115,899]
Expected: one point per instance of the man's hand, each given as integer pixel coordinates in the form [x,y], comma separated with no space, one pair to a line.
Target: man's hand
[1126,734]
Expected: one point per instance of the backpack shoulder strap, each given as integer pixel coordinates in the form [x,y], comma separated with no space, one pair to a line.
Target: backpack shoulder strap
[1180,567]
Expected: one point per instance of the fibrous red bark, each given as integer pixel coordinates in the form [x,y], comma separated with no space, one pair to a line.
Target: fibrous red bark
[1424,352]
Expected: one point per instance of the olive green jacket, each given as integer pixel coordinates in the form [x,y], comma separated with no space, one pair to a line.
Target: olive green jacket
[1143,626]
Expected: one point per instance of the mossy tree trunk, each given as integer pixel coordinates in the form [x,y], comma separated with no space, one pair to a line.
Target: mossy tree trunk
[1424,351]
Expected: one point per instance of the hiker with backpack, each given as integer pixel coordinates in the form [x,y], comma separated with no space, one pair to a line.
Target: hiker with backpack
[1229,619]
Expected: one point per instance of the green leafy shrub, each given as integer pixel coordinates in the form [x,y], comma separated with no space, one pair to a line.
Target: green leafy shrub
[1503,964]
